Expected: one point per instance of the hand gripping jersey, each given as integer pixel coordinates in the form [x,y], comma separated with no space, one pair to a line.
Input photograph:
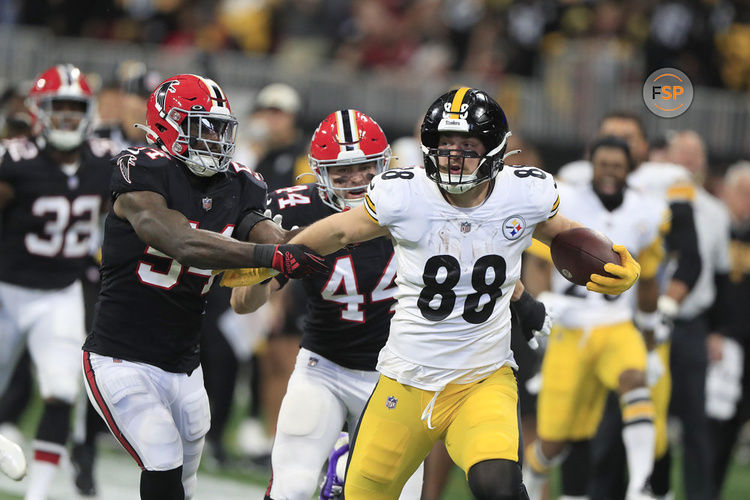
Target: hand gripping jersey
[637,224]
[150,306]
[457,268]
[349,308]
[51,226]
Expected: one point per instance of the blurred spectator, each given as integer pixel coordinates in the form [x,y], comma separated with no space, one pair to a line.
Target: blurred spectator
[15,120]
[276,146]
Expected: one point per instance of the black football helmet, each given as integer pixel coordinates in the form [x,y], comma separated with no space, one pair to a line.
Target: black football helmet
[465,111]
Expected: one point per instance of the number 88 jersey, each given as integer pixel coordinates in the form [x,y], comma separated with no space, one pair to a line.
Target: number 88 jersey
[456,270]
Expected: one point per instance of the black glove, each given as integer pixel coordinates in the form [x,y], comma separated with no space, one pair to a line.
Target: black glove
[293,261]
[534,319]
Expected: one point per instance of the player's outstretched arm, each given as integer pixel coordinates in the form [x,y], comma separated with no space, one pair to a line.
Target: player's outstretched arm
[170,232]
[338,230]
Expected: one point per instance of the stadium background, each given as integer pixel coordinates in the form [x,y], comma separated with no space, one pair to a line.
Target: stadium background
[555,67]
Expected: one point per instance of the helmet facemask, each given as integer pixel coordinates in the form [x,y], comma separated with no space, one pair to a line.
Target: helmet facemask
[205,140]
[63,126]
[334,196]
[459,182]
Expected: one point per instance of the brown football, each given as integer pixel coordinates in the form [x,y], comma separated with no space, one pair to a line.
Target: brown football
[580,252]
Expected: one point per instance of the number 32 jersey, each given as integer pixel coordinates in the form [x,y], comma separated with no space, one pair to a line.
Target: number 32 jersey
[457,268]
[51,226]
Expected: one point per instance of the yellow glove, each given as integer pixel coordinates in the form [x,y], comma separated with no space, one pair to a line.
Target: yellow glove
[245,277]
[627,274]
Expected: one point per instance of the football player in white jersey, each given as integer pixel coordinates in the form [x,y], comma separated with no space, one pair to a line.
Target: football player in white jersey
[595,347]
[459,227]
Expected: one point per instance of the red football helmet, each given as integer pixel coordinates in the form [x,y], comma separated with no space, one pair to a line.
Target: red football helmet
[189,117]
[346,137]
[62,106]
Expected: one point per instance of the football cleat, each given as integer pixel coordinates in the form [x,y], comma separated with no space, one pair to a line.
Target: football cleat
[333,485]
[12,459]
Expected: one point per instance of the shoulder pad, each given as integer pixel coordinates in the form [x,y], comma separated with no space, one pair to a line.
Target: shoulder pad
[245,171]
[20,148]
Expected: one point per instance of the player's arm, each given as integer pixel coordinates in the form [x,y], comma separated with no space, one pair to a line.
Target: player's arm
[338,230]
[247,299]
[170,232]
[546,230]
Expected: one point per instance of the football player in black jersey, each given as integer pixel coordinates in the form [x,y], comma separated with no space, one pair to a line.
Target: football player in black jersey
[349,308]
[53,189]
[181,208]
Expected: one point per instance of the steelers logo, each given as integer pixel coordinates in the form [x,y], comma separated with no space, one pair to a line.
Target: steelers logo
[513,227]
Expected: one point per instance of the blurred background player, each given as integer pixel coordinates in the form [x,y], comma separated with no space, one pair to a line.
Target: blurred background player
[53,190]
[349,309]
[734,374]
[595,347]
[672,183]
[141,360]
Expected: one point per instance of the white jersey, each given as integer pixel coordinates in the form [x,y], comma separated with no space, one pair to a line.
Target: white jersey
[712,224]
[576,173]
[634,224]
[457,268]
[657,178]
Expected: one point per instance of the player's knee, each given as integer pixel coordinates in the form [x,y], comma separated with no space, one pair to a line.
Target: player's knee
[162,484]
[631,379]
[159,441]
[195,416]
[496,480]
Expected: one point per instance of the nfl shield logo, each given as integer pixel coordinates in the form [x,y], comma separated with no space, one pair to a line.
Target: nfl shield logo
[207,203]
[465,227]
[390,403]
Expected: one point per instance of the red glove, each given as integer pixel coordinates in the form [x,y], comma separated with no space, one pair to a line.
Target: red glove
[293,261]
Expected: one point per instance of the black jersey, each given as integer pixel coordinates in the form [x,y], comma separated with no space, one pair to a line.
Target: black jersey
[51,226]
[349,308]
[150,306]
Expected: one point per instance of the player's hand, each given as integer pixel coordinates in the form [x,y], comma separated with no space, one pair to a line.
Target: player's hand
[297,261]
[277,219]
[626,274]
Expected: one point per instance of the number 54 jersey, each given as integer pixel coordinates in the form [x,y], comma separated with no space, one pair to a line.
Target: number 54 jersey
[456,271]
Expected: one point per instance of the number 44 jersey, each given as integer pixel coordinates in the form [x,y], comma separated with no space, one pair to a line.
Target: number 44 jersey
[456,270]
[50,228]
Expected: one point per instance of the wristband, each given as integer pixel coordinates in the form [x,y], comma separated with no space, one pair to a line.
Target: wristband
[647,320]
[263,255]
[667,306]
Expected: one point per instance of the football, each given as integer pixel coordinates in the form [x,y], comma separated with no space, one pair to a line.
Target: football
[580,252]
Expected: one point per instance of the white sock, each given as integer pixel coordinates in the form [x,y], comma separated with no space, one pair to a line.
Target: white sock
[536,469]
[42,471]
[639,436]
